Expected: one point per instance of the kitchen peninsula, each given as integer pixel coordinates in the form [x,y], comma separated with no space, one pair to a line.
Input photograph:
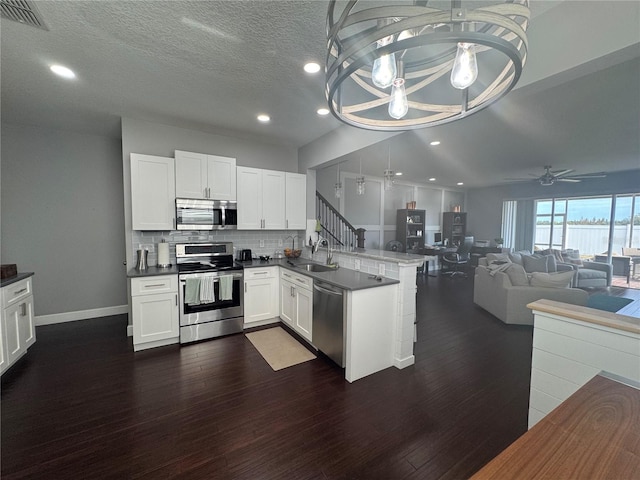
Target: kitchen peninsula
[399,266]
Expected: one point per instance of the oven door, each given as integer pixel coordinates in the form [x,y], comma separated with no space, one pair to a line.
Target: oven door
[220,308]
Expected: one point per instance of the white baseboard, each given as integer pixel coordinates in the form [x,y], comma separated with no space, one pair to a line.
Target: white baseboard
[404,362]
[129,330]
[80,315]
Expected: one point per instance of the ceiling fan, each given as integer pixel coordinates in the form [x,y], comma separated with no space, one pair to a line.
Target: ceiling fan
[549,177]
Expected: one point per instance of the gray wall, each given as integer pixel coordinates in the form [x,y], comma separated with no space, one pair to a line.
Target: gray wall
[485,204]
[62,216]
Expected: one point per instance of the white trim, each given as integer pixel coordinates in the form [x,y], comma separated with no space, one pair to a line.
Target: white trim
[129,330]
[405,362]
[80,315]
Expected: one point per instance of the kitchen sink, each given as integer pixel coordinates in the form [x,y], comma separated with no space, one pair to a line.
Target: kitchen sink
[314,267]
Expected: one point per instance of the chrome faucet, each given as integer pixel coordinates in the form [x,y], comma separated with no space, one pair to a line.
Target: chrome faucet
[325,242]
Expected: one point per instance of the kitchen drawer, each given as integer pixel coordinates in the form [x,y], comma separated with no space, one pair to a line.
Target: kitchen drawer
[297,279]
[259,273]
[15,292]
[154,284]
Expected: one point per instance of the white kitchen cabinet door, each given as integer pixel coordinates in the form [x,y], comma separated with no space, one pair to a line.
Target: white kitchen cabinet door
[273,200]
[155,318]
[221,177]
[249,198]
[260,300]
[152,192]
[191,175]
[4,362]
[287,303]
[296,201]
[19,329]
[304,313]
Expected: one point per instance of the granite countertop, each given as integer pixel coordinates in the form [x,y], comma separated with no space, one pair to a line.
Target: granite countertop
[152,271]
[21,276]
[384,255]
[342,277]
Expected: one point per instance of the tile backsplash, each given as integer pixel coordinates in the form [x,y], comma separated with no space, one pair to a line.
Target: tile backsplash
[240,238]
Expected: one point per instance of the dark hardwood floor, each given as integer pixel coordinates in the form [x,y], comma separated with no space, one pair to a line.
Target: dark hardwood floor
[82,404]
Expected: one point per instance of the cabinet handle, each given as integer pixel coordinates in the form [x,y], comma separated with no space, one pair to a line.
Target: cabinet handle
[23,308]
[19,292]
[261,273]
[245,287]
[287,225]
[176,300]
[154,285]
[292,291]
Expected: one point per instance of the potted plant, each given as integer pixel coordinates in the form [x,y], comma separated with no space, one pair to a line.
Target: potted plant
[499,241]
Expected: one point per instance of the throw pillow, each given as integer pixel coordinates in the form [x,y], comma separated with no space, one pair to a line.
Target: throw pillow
[551,264]
[552,280]
[556,253]
[517,275]
[572,256]
[497,257]
[516,257]
[534,264]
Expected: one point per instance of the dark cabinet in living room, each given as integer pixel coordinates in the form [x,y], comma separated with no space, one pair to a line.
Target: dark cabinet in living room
[410,229]
[454,227]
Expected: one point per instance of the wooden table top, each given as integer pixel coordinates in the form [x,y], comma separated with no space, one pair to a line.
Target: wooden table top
[594,434]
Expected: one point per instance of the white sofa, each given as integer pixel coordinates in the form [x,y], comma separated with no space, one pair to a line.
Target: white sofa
[498,296]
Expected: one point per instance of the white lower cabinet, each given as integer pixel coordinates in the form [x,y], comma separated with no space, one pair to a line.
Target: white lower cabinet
[260,295]
[17,326]
[154,305]
[296,302]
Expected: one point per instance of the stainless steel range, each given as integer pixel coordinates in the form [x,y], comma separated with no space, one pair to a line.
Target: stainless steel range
[211,291]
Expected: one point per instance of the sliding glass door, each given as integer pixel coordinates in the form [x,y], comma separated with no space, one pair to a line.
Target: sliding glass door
[585,223]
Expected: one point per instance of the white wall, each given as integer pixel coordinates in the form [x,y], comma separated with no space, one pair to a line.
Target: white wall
[62,216]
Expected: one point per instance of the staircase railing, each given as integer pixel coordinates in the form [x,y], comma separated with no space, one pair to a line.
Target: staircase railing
[335,226]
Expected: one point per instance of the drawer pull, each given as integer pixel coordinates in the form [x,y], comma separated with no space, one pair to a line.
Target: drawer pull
[261,273]
[20,291]
[154,285]
[23,308]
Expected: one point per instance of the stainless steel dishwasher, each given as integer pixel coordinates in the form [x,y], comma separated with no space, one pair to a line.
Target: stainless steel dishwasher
[328,321]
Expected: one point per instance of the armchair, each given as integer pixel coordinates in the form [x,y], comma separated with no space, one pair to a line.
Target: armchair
[592,274]
[459,258]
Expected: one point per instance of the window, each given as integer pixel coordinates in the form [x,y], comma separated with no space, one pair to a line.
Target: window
[586,223]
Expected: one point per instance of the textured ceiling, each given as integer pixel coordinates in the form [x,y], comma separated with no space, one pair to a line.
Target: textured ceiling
[214,65]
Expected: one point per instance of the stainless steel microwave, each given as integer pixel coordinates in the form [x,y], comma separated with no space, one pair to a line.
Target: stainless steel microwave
[194,214]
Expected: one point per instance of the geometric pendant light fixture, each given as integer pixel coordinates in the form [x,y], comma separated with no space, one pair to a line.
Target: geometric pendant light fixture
[415,64]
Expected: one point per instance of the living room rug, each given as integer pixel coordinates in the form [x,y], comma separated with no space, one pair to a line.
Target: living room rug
[278,348]
[609,303]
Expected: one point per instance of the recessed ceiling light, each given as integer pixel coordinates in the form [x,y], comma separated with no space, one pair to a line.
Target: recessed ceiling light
[264,118]
[312,67]
[62,71]
[435,142]
[398,173]
[432,179]
[460,183]
[323,111]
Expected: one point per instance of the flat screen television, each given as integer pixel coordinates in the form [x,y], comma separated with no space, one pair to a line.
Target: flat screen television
[437,238]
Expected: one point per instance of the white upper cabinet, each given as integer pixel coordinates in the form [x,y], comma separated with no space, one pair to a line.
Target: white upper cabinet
[205,176]
[152,192]
[296,201]
[261,199]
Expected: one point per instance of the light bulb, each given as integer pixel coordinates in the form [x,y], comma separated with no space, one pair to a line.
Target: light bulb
[398,104]
[465,66]
[384,71]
